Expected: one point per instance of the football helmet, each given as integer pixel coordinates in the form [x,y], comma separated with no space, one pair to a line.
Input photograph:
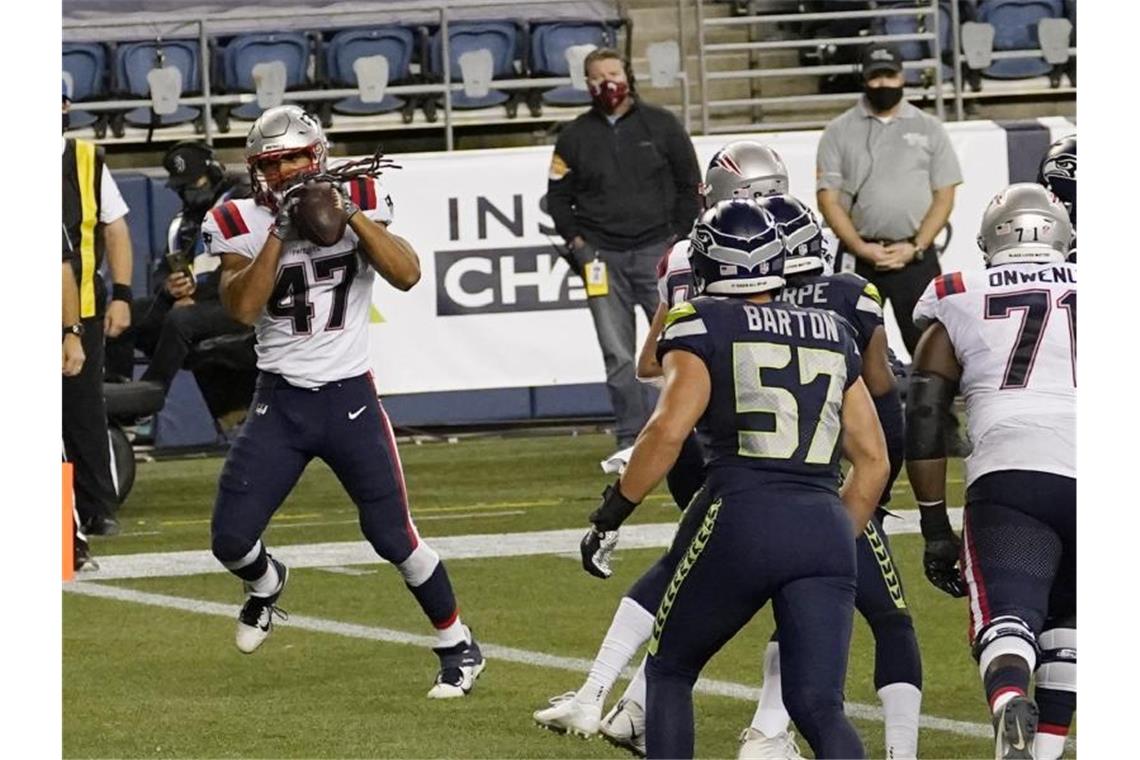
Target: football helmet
[736,250]
[744,169]
[278,133]
[802,235]
[1025,223]
[1058,172]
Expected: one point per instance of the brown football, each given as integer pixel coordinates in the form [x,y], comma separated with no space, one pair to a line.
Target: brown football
[319,215]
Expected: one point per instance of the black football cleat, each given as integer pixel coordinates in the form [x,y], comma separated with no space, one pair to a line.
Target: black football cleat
[459,666]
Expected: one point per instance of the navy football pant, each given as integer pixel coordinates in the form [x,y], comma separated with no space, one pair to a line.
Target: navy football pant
[1019,548]
[343,424]
[790,547]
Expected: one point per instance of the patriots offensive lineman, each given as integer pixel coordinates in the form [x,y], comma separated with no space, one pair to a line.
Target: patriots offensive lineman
[741,169]
[1007,335]
[771,387]
[315,396]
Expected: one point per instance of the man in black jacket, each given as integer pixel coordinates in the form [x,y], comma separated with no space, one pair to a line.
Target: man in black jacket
[623,185]
[185,308]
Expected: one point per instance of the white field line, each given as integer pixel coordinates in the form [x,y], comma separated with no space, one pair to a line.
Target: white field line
[486,546]
[492,651]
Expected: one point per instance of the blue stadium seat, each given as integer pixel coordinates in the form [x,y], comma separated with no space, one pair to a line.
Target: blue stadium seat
[242,53]
[499,37]
[913,50]
[1015,28]
[548,45]
[134,60]
[395,43]
[86,64]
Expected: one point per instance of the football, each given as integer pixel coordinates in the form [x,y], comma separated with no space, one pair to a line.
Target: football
[319,214]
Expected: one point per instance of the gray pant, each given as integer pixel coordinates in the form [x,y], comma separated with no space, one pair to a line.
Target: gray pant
[632,282]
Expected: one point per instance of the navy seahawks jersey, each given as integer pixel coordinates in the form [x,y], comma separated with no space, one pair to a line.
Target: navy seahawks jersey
[846,294]
[778,375]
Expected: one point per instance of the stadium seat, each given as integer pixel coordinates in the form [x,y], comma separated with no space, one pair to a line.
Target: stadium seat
[467,43]
[85,68]
[914,50]
[1015,28]
[549,44]
[134,63]
[277,61]
[349,49]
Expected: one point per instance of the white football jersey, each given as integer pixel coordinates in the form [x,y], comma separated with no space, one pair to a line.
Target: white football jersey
[314,330]
[674,276]
[1014,332]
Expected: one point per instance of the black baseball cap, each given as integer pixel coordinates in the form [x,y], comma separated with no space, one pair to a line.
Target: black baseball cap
[186,162]
[879,57]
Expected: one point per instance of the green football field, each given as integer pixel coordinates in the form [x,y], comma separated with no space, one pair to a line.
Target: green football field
[150,668]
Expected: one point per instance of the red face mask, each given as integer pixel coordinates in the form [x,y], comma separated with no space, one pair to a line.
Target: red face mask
[608,95]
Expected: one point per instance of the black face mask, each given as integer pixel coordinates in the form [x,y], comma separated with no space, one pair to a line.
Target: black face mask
[197,198]
[66,121]
[883,98]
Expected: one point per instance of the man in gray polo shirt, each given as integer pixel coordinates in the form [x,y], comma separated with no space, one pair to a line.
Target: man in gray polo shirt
[885,179]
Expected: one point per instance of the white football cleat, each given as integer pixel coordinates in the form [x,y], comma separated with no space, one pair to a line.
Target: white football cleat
[567,715]
[459,666]
[624,726]
[755,745]
[255,621]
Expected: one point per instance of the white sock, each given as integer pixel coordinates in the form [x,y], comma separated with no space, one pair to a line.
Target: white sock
[268,584]
[1048,746]
[902,703]
[456,633]
[631,627]
[771,719]
[635,692]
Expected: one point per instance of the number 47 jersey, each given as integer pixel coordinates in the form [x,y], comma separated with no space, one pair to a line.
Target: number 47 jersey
[314,329]
[1014,331]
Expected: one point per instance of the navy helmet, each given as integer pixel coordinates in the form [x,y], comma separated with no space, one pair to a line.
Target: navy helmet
[1058,172]
[736,250]
[802,234]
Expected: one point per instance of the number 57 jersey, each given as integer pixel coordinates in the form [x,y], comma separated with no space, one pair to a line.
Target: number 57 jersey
[314,329]
[1014,330]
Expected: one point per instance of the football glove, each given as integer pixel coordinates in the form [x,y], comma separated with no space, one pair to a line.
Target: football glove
[597,549]
[284,228]
[347,205]
[940,560]
[613,511]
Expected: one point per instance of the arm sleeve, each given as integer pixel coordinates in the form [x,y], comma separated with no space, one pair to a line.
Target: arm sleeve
[560,187]
[111,203]
[686,175]
[685,330]
[890,411]
[944,168]
[926,310]
[828,162]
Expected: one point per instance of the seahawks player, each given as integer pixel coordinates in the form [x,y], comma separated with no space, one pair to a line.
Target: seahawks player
[315,394]
[1007,336]
[741,169]
[1058,173]
[770,387]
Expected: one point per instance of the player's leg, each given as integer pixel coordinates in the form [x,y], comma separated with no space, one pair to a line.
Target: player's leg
[580,712]
[716,589]
[880,600]
[1009,560]
[814,617]
[360,448]
[180,330]
[768,735]
[261,468]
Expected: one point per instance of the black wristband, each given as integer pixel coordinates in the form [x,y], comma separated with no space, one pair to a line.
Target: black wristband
[122,293]
[614,510]
[934,521]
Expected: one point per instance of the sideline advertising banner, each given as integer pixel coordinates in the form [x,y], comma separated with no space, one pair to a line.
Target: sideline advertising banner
[497,307]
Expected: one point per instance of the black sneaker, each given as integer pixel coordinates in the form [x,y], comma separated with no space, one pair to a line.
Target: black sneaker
[459,666]
[84,562]
[1015,728]
[102,525]
[255,621]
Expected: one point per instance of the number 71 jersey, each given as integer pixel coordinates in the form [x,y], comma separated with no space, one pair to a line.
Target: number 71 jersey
[1014,331]
[314,329]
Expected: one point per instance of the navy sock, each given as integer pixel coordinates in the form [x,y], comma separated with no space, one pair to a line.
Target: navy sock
[436,598]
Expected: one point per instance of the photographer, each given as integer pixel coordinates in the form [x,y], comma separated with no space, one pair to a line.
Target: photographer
[185,308]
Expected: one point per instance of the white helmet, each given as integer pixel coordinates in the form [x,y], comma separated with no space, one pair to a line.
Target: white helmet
[1025,223]
[278,132]
[744,169]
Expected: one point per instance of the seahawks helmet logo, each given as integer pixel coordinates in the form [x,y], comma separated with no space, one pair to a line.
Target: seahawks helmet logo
[1063,166]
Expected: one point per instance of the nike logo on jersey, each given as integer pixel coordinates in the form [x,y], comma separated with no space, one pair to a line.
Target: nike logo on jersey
[357,413]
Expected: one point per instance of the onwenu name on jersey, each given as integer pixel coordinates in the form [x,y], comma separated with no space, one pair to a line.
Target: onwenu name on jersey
[793,323]
[1000,277]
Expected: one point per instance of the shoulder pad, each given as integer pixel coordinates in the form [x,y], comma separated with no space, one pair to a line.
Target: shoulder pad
[680,311]
[229,220]
[362,190]
[949,285]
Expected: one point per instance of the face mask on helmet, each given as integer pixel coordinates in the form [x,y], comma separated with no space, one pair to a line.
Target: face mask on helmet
[1058,172]
[608,95]
[284,145]
[736,250]
[801,233]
